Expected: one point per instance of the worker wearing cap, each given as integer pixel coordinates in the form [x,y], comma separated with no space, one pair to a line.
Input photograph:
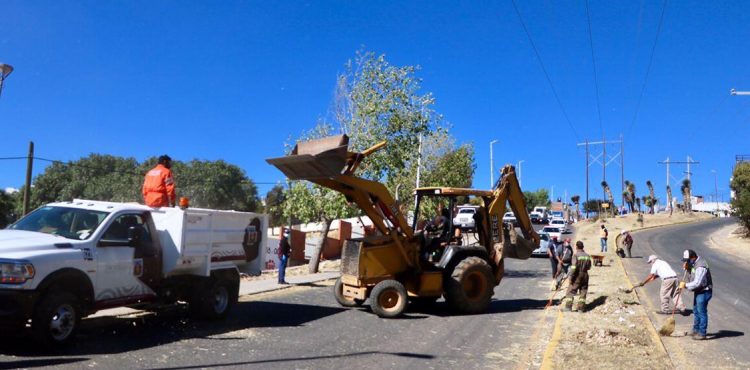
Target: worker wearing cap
[669,292]
[579,279]
[702,286]
[627,242]
[158,187]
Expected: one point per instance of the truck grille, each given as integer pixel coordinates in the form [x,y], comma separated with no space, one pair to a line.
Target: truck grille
[350,257]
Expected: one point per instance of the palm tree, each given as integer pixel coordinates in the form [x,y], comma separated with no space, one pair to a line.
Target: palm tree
[575,199]
[686,196]
[669,199]
[629,194]
[611,199]
[652,195]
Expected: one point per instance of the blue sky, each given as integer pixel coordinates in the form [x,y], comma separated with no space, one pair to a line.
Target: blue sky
[233,80]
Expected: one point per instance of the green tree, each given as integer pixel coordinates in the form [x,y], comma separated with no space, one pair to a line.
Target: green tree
[208,184]
[593,205]
[274,203]
[540,197]
[741,186]
[7,208]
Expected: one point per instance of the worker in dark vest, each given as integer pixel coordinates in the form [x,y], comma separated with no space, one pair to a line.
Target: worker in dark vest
[579,279]
[285,249]
[702,286]
[158,187]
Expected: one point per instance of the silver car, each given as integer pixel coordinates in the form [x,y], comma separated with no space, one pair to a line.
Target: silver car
[544,241]
[465,218]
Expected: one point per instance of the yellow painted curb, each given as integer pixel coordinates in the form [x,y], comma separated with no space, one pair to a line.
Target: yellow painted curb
[549,352]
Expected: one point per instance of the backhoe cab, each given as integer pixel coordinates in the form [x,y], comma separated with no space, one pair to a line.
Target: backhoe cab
[421,262]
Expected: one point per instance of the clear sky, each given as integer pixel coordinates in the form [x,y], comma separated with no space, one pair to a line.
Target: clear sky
[233,80]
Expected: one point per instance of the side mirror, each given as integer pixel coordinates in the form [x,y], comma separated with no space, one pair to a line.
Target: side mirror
[135,236]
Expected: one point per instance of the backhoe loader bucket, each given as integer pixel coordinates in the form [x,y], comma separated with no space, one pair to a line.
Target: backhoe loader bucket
[515,246]
[314,159]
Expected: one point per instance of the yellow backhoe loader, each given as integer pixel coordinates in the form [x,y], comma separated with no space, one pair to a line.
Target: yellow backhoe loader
[424,260]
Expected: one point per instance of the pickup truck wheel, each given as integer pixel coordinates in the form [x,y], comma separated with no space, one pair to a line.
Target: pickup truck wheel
[470,286]
[338,292]
[56,319]
[214,299]
[388,299]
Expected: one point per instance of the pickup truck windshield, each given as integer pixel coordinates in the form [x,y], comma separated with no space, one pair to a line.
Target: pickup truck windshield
[71,223]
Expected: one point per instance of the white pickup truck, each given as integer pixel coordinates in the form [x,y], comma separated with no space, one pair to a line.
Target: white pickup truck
[67,260]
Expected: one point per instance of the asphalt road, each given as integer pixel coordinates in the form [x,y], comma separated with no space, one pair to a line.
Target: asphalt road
[304,328]
[729,308]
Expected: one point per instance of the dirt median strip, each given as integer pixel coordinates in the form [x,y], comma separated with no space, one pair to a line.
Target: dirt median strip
[615,330]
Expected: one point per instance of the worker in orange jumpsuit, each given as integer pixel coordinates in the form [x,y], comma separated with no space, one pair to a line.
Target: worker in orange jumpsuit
[158,188]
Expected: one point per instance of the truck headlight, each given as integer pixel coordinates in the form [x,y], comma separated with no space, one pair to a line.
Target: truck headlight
[15,272]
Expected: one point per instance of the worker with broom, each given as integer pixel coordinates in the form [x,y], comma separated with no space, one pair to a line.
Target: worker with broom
[702,286]
[669,291]
[579,279]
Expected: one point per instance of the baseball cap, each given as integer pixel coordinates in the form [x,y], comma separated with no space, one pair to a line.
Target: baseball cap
[688,254]
[652,258]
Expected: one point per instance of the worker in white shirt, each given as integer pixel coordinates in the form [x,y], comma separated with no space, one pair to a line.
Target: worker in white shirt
[669,292]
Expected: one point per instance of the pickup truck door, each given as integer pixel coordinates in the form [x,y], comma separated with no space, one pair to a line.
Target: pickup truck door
[119,271]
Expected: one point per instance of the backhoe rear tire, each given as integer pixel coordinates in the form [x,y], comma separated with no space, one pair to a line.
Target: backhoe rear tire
[338,292]
[470,287]
[388,299]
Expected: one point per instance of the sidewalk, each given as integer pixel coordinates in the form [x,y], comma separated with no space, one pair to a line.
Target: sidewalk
[729,240]
[247,287]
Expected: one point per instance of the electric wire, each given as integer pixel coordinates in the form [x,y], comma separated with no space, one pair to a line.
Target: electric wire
[596,76]
[648,68]
[544,69]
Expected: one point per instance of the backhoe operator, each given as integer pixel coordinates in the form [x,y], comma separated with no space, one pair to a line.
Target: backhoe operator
[158,187]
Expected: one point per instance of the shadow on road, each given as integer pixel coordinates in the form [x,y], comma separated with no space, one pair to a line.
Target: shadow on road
[725,334]
[441,309]
[525,274]
[598,301]
[109,335]
[27,364]
[291,359]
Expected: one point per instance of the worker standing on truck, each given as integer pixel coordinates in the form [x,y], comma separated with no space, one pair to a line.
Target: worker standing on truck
[284,251]
[702,286]
[158,187]
[668,292]
[579,279]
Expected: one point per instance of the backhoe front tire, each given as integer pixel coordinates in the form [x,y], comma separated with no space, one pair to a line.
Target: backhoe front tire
[338,292]
[388,299]
[470,287]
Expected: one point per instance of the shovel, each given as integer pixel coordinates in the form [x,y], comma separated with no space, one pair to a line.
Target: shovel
[668,328]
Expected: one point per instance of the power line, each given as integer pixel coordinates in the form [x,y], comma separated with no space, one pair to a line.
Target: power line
[648,69]
[596,76]
[544,69]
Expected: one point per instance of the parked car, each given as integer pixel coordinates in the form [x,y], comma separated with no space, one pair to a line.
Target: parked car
[465,217]
[553,231]
[544,240]
[559,222]
[511,218]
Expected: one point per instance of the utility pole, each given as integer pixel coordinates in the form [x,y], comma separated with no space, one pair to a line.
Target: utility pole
[587,177]
[492,166]
[605,161]
[688,162]
[622,170]
[519,173]
[419,170]
[27,188]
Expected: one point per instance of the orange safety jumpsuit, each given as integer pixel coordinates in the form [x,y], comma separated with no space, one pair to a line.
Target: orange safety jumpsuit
[158,188]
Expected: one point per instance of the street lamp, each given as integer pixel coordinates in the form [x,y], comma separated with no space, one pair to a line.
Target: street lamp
[5,71]
[716,192]
[734,92]
[519,172]
[492,166]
